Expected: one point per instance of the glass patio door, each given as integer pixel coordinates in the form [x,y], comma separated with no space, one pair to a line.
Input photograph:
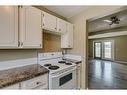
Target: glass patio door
[107,50]
[104,50]
[97,50]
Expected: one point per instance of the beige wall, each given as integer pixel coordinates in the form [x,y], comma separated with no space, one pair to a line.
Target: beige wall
[79,22]
[8,55]
[120,46]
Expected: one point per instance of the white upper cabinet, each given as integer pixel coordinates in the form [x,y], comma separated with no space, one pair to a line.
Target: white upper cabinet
[21,27]
[67,38]
[8,27]
[30,27]
[61,26]
[49,22]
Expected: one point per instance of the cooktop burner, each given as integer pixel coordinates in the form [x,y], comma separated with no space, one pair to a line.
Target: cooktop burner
[68,63]
[47,65]
[62,62]
[54,67]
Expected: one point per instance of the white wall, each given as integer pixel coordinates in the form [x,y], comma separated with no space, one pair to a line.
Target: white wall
[79,22]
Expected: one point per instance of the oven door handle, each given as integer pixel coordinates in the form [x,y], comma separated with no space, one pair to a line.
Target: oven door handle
[64,73]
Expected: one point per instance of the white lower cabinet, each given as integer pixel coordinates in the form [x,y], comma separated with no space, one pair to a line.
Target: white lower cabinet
[15,86]
[40,82]
[44,87]
[78,76]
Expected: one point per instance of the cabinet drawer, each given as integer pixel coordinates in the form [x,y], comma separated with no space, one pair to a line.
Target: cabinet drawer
[35,82]
[13,87]
[41,87]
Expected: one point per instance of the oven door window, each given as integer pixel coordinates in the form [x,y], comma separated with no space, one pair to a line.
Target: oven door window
[65,79]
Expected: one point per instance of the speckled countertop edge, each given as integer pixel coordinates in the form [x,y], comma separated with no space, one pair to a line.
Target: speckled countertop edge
[37,71]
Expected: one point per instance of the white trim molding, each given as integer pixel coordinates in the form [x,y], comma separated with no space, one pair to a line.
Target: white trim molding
[121,62]
[105,35]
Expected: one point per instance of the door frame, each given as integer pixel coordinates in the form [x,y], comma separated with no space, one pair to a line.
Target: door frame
[87,31]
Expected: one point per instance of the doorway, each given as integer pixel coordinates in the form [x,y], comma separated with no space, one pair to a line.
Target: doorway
[106,42]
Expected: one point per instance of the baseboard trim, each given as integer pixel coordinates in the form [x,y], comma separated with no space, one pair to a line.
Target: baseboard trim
[121,62]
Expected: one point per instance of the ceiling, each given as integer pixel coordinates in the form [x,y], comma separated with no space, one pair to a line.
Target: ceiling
[100,24]
[66,11]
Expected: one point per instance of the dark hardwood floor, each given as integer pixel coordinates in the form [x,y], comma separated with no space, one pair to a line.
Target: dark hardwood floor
[107,75]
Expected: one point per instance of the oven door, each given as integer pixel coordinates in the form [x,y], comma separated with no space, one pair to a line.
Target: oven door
[66,80]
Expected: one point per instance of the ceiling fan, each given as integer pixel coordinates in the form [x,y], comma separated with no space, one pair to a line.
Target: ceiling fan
[113,20]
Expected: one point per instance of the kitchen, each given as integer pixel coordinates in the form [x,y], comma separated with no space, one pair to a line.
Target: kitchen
[53,57]
[28,30]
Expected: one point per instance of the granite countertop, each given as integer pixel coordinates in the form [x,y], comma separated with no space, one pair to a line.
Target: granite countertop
[12,76]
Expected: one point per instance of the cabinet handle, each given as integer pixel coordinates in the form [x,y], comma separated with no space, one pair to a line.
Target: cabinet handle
[38,82]
[20,6]
[18,44]
[59,29]
[55,27]
[52,54]
[43,15]
[43,24]
[40,45]
[21,43]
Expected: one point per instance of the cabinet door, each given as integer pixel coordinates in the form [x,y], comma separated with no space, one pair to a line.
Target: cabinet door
[48,22]
[61,26]
[30,27]
[70,35]
[40,82]
[67,38]
[78,73]
[13,87]
[8,27]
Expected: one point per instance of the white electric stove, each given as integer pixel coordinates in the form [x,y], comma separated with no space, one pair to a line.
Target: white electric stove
[62,73]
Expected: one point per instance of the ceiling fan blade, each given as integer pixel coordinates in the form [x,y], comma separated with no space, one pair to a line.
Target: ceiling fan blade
[109,21]
[123,18]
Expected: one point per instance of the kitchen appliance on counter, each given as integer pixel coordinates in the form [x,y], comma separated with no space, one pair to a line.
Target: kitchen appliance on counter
[62,73]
